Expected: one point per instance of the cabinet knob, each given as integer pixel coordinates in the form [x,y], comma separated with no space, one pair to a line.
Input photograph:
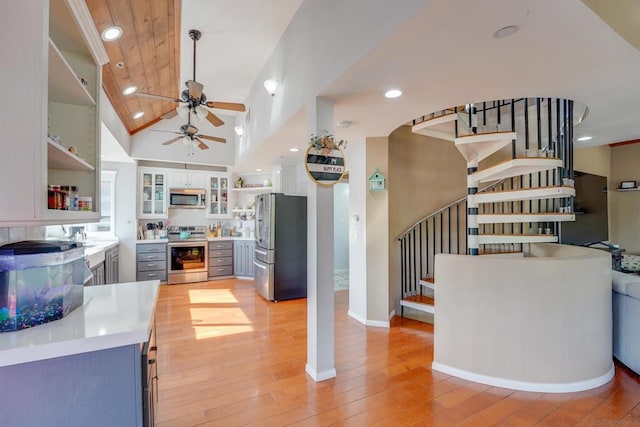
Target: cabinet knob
[152,361]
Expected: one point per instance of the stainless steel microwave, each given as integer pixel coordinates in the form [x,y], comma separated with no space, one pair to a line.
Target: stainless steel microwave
[194,198]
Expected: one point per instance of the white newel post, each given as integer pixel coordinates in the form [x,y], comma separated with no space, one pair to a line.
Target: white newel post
[320,292]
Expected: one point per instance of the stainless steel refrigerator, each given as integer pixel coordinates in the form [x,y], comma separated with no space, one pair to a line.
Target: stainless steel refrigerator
[281,246]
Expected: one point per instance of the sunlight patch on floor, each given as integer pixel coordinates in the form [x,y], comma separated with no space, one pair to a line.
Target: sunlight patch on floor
[216,296]
[219,322]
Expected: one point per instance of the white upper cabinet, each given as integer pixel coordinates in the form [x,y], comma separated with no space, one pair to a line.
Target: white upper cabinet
[218,196]
[187,179]
[152,193]
[50,114]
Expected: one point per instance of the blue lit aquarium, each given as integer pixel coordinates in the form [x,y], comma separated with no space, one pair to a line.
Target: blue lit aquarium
[40,281]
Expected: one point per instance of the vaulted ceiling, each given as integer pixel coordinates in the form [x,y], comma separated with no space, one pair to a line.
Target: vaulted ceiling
[147,56]
[155,52]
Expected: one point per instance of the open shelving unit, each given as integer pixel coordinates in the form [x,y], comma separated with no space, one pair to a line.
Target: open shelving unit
[60,158]
[64,86]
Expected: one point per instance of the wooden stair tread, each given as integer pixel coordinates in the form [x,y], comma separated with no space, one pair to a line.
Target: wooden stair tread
[421,303]
[516,238]
[533,193]
[506,218]
[420,299]
[514,167]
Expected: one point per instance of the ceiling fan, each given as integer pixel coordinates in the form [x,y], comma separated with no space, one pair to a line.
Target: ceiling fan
[193,101]
[191,138]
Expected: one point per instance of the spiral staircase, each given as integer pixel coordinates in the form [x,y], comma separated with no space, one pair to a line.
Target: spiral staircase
[519,155]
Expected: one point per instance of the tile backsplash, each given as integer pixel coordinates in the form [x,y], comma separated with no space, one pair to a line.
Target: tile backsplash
[15,234]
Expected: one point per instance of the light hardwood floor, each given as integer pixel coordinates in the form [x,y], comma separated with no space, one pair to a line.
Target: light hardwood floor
[227,357]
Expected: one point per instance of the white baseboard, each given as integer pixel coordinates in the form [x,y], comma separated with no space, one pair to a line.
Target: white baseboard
[357,317]
[379,323]
[393,313]
[374,323]
[320,376]
[525,385]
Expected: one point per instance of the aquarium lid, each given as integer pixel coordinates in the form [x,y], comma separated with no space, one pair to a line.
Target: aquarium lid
[30,247]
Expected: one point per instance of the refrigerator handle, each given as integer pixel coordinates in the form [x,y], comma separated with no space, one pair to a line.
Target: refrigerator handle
[259,265]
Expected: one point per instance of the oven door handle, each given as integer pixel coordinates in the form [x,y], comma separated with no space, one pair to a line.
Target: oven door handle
[260,252]
[259,265]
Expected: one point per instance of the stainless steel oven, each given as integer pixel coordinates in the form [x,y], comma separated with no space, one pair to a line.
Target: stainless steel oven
[188,261]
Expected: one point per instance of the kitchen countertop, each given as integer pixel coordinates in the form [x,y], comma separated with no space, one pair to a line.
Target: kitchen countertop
[111,316]
[94,252]
[210,239]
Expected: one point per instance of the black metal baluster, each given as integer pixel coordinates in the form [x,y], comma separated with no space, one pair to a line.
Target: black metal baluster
[420,246]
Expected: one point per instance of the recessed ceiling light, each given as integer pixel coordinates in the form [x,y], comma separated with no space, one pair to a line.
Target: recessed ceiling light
[130,90]
[138,114]
[294,149]
[505,31]
[239,130]
[258,170]
[111,33]
[393,93]
[585,138]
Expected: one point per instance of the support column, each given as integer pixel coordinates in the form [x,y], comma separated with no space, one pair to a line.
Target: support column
[472,210]
[320,294]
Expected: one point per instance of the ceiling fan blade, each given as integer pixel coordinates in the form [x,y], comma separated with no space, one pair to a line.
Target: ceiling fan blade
[234,106]
[214,120]
[153,95]
[165,131]
[195,89]
[213,138]
[201,144]
[171,141]
[170,115]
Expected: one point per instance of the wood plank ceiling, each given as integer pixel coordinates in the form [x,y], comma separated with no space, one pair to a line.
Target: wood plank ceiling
[147,56]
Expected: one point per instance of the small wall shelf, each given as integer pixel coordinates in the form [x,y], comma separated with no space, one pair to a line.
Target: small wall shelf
[628,189]
[60,158]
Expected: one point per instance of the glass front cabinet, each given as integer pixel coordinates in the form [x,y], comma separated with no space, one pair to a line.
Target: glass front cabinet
[152,202]
[218,196]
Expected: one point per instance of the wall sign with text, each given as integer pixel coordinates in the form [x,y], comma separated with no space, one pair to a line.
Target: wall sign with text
[325,166]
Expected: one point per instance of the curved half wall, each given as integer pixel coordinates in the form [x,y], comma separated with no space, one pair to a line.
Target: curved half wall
[538,322]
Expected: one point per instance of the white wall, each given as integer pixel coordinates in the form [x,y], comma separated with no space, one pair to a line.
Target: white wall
[125,208]
[355,155]
[324,39]
[341,226]
[110,119]
[147,145]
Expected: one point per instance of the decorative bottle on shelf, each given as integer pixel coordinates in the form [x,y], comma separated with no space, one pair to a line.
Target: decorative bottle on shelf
[74,198]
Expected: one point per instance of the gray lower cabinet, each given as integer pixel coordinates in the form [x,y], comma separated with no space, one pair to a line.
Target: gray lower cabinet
[243,258]
[98,275]
[96,388]
[220,258]
[112,265]
[151,261]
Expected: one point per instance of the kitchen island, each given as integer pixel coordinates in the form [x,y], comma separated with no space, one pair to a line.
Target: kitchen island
[86,368]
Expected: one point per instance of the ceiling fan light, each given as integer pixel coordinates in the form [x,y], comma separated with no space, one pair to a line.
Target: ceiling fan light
[186,140]
[183,111]
[200,114]
[239,130]
[271,85]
